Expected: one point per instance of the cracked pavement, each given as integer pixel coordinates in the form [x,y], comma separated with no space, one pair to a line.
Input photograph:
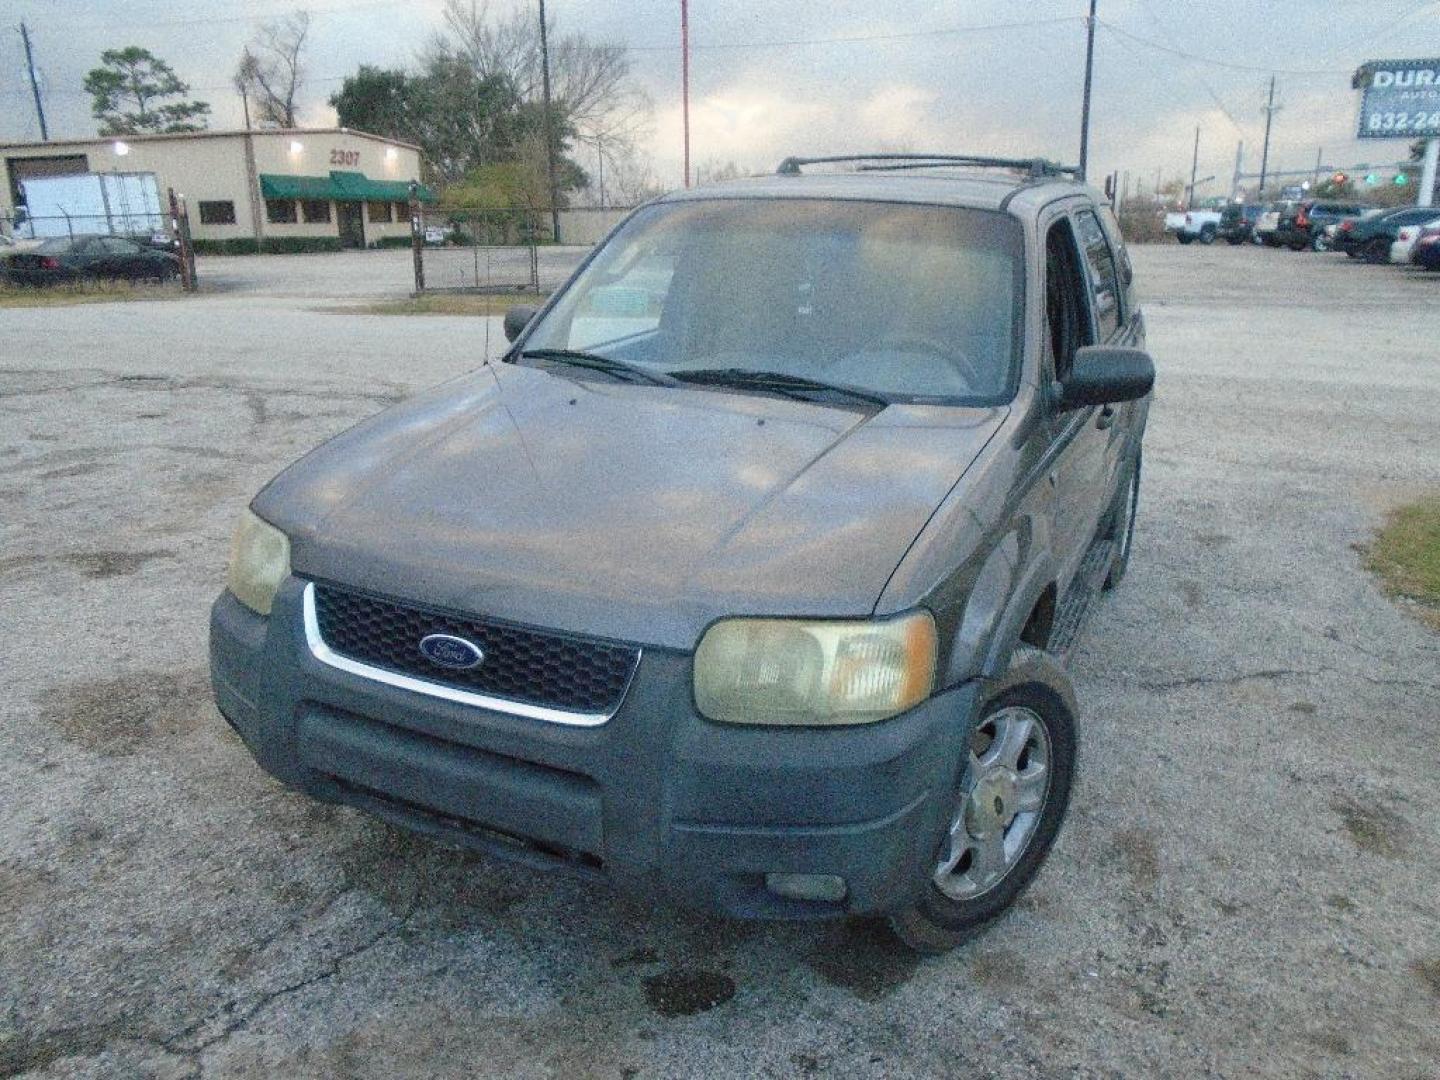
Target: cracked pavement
[1245,887]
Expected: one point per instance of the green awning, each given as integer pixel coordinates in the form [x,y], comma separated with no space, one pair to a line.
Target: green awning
[341,186]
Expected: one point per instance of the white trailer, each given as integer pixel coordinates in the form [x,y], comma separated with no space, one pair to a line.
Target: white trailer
[122,204]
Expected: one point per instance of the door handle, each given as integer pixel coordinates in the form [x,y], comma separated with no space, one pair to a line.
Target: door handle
[1106,417]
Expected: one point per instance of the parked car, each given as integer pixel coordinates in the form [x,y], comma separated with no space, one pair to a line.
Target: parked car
[1191,225]
[63,259]
[1407,235]
[1237,222]
[1268,222]
[758,601]
[1341,239]
[1303,226]
[1427,249]
[1371,237]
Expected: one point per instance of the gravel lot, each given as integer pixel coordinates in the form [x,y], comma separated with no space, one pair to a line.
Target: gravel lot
[1246,885]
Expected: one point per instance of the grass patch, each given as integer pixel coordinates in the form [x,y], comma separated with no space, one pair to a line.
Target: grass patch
[82,292]
[434,303]
[1406,555]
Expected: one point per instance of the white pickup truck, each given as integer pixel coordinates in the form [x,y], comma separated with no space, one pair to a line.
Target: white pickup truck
[1188,225]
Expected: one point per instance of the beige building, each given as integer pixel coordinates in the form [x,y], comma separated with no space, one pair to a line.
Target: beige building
[238,185]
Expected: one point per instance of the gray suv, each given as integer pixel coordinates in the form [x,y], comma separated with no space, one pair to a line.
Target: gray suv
[747,576]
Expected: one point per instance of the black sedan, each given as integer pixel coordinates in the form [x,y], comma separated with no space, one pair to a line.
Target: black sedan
[65,259]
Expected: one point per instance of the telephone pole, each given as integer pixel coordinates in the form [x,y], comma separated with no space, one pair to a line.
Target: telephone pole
[1194,166]
[1270,110]
[1085,103]
[549,130]
[685,80]
[34,86]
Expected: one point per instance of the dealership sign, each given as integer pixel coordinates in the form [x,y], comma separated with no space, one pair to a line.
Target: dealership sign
[1401,101]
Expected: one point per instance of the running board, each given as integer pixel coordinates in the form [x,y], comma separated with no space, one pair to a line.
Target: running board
[1079,597]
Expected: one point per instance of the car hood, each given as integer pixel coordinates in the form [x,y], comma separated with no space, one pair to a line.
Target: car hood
[627,511]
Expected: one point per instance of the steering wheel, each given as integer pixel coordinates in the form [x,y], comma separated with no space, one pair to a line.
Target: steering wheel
[912,341]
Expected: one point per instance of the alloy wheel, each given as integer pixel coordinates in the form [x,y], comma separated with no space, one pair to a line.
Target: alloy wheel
[1007,785]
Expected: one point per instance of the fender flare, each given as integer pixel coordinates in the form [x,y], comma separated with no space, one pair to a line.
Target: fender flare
[1038,576]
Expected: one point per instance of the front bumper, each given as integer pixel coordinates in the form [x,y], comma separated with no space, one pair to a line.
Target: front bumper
[657,800]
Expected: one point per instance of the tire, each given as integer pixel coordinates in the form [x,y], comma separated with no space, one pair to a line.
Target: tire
[1207,235]
[940,920]
[1121,527]
[1184,238]
[1377,251]
[1298,245]
[1321,242]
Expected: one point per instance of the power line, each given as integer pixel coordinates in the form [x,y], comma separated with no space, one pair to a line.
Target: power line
[859,38]
[1219,104]
[250,18]
[1199,59]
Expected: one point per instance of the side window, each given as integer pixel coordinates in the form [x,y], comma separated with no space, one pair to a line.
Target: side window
[1104,278]
[1067,303]
[1122,257]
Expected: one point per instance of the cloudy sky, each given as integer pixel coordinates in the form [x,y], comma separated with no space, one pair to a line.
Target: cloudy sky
[806,76]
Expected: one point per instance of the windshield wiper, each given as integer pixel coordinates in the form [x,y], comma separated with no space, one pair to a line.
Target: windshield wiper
[595,362]
[796,386]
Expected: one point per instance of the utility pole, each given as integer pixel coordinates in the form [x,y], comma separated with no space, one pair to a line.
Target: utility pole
[34,86]
[1270,108]
[1319,157]
[685,79]
[1239,168]
[1194,164]
[549,129]
[1426,195]
[1085,102]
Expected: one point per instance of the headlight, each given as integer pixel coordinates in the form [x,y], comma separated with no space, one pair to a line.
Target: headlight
[259,562]
[796,672]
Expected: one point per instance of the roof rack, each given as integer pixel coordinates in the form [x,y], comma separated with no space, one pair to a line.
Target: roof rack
[1036,168]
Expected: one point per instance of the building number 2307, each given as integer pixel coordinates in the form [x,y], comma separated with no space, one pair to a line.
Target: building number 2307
[344,157]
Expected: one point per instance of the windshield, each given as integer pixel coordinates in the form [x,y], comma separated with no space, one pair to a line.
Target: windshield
[912,302]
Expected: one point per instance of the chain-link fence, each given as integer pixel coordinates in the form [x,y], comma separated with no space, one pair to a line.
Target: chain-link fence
[475,249]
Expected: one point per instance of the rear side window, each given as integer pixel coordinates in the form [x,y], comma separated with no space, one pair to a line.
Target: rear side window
[1103,274]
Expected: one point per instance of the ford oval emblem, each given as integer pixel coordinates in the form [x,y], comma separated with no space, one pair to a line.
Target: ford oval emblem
[451,652]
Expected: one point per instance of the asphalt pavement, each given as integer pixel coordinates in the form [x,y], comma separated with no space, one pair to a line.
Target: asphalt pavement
[1246,885]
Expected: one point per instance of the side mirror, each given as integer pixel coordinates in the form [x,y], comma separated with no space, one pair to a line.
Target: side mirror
[1106,374]
[516,319]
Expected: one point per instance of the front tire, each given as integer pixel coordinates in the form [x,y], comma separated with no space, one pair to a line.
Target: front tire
[1207,235]
[1010,801]
[1184,238]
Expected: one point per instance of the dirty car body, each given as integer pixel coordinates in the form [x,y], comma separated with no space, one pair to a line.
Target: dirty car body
[510,612]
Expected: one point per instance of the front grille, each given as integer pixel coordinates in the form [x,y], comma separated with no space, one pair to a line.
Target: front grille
[535,667]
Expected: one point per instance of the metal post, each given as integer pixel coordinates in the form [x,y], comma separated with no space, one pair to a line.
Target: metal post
[1319,157]
[1239,169]
[549,129]
[1265,150]
[1426,195]
[685,80]
[600,165]
[1194,165]
[34,86]
[417,238]
[1085,103]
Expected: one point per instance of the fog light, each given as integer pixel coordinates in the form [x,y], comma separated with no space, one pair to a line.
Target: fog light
[807,886]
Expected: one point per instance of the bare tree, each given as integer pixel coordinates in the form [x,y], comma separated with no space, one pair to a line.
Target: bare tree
[590,81]
[272,68]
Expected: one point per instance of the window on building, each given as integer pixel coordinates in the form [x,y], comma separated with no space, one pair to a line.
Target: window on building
[315,211]
[280,211]
[402,211]
[378,213]
[217,213]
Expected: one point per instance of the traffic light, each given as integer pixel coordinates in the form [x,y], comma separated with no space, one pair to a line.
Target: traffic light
[1339,178]
[1401,179]
[1371,179]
